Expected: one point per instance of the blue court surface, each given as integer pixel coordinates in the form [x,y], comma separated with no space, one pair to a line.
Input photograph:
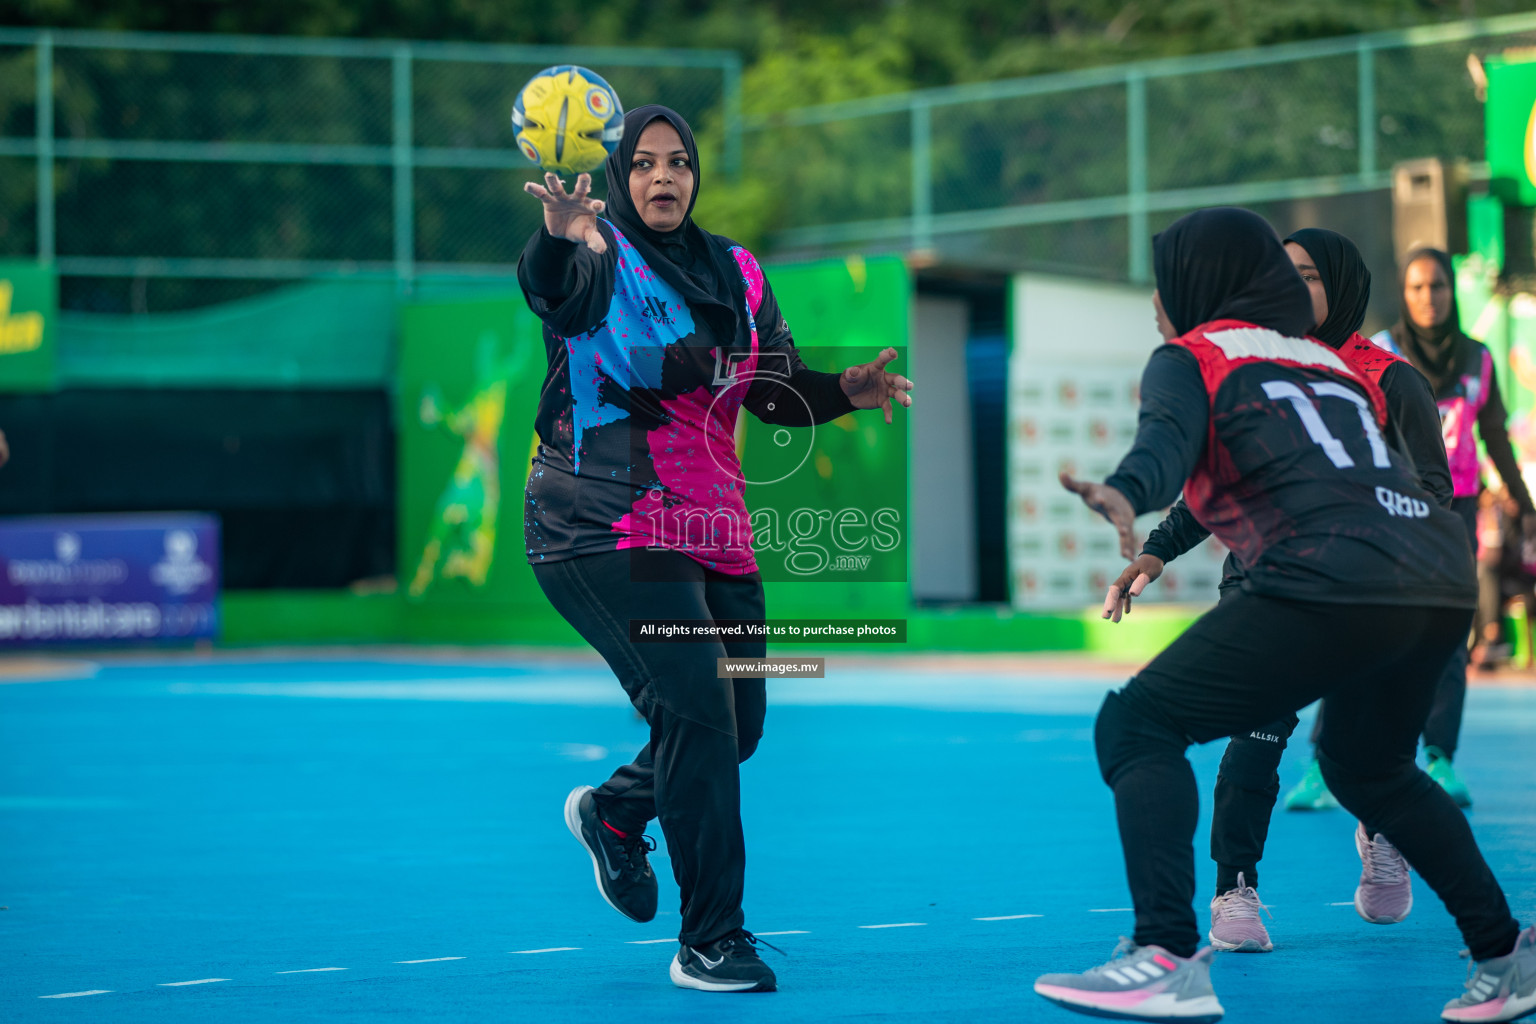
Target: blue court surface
[379,838]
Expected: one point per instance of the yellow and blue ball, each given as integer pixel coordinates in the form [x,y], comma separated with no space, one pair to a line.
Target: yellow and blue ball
[567,119]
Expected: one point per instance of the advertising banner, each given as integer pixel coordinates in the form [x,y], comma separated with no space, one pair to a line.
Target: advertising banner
[1510,123]
[469,377]
[1073,396]
[827,505]
[829,502]
[115,578]
[29,304]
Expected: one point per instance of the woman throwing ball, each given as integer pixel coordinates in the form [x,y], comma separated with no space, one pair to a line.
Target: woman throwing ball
[635,510]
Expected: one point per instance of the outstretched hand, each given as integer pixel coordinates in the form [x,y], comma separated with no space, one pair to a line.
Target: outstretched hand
[868,386]
[1110,504]
[570,215]
[1131,582]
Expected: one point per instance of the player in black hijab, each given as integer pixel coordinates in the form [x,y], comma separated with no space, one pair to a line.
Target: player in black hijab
[1356,586]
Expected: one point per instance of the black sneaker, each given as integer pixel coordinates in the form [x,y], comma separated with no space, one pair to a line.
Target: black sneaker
[730,964]
[623,871]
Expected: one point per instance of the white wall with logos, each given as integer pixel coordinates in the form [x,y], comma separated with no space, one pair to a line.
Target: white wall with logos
[1073,379]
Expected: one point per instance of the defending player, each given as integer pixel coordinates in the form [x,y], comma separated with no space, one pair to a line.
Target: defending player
[1357,587]
[1248,780]
[635,510]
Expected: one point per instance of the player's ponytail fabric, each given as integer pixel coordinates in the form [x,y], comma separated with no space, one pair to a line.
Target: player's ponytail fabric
[1227,263]
[1346,282]
[690,259]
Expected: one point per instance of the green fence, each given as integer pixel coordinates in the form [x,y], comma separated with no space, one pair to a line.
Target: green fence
[163,171]
[224,161]
[1063,171]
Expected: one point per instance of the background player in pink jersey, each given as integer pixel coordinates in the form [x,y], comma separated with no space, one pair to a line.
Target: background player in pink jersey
[1461,372]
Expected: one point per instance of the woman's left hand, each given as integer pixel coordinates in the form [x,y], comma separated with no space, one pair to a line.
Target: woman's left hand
[868,386]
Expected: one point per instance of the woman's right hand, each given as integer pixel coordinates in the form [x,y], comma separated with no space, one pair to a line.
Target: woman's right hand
[570,215]
[1131,583]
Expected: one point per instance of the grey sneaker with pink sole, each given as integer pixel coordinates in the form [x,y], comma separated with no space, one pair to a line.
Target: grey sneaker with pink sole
[1385,892]
[1235,923]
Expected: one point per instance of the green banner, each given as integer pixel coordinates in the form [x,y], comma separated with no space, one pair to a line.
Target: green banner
[29,313]
[469,379]
[829,503]
[1510,120]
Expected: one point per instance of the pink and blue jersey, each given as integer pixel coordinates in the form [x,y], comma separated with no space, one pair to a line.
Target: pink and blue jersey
[637,420]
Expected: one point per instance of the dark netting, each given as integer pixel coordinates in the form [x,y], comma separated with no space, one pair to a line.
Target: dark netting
[1093,247]
[1294,120]
[1035,149]
[18,207]
[857,169]
[1426,104]
[18,91]
[276,211]
[303,480]
[222,97]
[472,216]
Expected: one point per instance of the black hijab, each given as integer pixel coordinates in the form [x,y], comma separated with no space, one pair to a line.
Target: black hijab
[1437,352]
[1226,263]
[1346,282]
[690,259]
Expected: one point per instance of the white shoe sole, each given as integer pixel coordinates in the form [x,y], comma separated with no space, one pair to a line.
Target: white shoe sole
[573,822]
[1513,1009]
[682,979]
[1246,946]
[1165,1006]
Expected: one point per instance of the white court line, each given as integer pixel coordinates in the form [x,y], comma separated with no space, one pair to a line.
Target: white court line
[1346,903]
[430,960]
[1112,910]
[312,970]
[782,933]
[902,924]
[551,949]
[648,942]
[199,981]
[1007,917]
[71,995]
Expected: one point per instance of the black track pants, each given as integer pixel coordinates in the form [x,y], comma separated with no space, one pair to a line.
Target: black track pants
[1247,786]
[1248,782]
[702,726]
[1443,726]
[1252,660]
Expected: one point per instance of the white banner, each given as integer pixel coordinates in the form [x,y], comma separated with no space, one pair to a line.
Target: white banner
[1073,376]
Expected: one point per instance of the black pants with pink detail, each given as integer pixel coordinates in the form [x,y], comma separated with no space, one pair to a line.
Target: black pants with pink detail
[702,727]
[1250,661]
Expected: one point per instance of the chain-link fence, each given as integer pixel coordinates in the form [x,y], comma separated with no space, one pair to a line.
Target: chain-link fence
[162,171]
[1073,172]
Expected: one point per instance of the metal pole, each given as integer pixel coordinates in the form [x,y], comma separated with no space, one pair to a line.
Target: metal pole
[922,177]
[45,200]
[1366,74]
[732,98]
[405,198]
[1137,243]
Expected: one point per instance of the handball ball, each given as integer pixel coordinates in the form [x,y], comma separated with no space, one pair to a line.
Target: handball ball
[567,119]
